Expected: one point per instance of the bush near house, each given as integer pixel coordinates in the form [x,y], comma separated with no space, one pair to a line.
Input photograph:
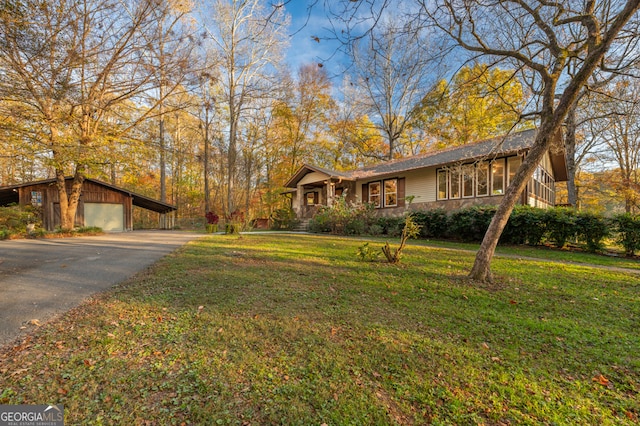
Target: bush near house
[14,220]
[527,225]
[627,228]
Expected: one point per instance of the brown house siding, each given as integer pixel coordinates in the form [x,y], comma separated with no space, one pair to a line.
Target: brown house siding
[91,193]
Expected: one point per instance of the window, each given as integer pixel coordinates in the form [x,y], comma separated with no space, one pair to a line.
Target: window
[36,198]
[513,164]
[542,186]
[374,194]
[338,192]
[497,177]
[455,182]
[482,179]
[443,185]
[467,180]
[312,198]
[391,193]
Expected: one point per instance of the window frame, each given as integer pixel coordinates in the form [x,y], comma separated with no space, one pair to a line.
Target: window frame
[467,171]
[502,163]
[455,171]
[483,166]
[313,198]
[444,172]
[384,192]
[377,205]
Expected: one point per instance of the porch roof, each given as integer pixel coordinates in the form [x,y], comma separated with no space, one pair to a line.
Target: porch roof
[308,168]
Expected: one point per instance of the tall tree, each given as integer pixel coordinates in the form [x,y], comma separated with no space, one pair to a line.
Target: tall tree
[480,102]
[71,64]
[620,131]
[393,69]
[542,39]
[249,40]
[303,115]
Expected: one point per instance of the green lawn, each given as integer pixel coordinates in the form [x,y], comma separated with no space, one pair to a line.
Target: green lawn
[294,329]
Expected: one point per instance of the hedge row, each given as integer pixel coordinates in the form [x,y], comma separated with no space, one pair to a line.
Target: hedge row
[527,225]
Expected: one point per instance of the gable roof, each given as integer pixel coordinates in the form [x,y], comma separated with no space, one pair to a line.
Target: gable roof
[484,150]
[308,168]
[8,195]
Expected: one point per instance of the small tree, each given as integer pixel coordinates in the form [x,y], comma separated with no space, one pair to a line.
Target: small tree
[411,230]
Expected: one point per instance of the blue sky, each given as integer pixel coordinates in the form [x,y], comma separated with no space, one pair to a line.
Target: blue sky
[306,24]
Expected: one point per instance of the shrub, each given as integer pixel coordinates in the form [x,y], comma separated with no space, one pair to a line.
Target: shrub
[14,218]
[561,225]
[526,225]
[628,230]
[367,254]
[391,225]
[284,218]
[375,229]
[343,218]
[434,223]
[320,223]
[471,223]
[592,230]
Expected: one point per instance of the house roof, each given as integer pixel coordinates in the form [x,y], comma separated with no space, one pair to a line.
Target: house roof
[490,148]
[499,146]
[308,168]
[8,195]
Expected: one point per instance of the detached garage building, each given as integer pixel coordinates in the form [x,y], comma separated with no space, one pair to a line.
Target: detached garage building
[101,204]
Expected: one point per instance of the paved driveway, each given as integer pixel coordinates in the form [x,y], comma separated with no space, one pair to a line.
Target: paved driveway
[42,278]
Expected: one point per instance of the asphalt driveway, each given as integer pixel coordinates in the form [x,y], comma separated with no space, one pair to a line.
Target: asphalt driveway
[40,279]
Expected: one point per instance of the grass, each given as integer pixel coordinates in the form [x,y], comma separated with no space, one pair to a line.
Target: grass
[293,329]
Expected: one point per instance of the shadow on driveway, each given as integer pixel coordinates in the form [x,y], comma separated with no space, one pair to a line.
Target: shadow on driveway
[42,278]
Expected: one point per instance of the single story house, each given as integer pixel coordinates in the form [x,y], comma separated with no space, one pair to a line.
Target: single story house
[476,173]
[101,204]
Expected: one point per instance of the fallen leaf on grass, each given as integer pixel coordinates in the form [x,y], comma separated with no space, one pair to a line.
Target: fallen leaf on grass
[601,380]
[35,322]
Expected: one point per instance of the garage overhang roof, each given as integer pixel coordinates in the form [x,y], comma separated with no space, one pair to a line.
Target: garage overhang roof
[9,194]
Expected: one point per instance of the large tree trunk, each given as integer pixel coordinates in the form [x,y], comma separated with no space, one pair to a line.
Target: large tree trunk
[551,121]
[69,201]
[481,270]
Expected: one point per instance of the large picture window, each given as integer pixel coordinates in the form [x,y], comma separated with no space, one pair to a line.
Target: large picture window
[443,184]
[497,177]
[455,182]
[374,194]
[513,163]
[467,180]
[391,193]
[482,179]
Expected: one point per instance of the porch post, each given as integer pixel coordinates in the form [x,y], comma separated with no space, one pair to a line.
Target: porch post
[330,193]
[300,200]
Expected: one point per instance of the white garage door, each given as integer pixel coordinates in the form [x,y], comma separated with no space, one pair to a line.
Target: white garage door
[109,217]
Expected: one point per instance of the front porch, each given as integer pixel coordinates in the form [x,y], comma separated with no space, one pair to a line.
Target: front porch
[311,197]
[316,187]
